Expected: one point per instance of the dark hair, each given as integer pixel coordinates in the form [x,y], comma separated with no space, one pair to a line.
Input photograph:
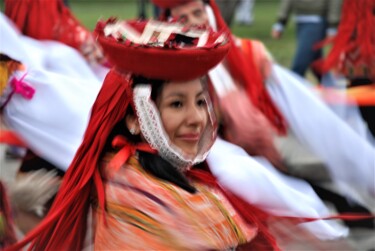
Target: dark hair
[4,57]
[152,163]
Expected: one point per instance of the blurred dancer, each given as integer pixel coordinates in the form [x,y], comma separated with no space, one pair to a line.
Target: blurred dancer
[315,20]
[245,12]
[53,20]
[353,53]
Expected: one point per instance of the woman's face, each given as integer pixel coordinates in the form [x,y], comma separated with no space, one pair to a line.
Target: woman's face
[192,13]
[184,114]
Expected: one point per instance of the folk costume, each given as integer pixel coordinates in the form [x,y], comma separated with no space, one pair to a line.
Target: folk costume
[285,184]
[128,199]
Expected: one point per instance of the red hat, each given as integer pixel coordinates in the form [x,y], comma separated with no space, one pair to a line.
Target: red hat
[168,4]
[160,50]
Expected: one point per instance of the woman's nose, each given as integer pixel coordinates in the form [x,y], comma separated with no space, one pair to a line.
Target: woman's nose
[195,115]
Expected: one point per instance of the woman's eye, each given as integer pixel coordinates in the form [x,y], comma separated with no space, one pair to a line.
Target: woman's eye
[176,104]
[198,13]
[201,102]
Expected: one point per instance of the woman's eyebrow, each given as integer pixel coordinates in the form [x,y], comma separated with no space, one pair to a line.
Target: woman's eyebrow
[172,94]
[181,94]
[200,93]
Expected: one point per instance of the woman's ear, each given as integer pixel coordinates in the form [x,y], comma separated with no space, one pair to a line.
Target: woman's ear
[132,124]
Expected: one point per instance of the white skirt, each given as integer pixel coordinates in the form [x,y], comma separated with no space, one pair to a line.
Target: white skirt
[348,155]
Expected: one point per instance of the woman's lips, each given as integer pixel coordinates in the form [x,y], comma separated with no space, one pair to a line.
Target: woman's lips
[190,137]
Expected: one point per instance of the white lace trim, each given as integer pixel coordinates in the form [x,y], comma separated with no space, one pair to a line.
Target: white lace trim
[153,131]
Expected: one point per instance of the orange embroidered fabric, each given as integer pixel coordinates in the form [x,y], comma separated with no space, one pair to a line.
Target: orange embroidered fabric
[146,213]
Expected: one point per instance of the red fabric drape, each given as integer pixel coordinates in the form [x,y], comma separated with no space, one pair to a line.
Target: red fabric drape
[244,70]
[47,19]
[353,48]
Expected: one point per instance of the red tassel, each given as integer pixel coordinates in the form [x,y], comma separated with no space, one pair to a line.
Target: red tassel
[46,19]
[353,48]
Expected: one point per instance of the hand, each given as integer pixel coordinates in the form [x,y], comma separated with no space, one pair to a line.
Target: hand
[277,30]
[276,34]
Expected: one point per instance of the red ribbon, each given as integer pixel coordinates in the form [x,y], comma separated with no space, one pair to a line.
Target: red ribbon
[127,150]
[22,88]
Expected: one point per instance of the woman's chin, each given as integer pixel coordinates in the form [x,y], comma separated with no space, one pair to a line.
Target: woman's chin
[189,154]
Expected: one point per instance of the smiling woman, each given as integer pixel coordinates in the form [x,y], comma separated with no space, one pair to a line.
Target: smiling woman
[140,165]
[184,114]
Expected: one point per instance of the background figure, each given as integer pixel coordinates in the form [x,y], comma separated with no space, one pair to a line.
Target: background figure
[315,20]
[156,11]
[142,9]
[244,12]
[227,9]
[353,53]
